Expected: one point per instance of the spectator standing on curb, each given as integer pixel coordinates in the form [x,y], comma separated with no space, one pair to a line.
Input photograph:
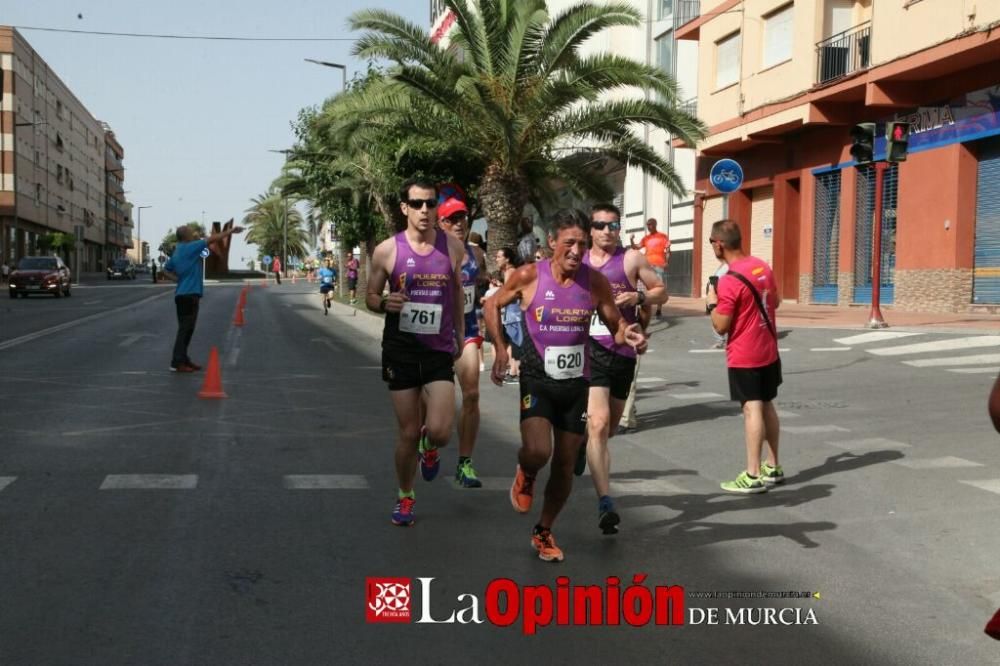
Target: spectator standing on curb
[185,268]
[276,267]
[352,278]
[152,269]
[527,244]
[744,307]
[4,272]
[656,246]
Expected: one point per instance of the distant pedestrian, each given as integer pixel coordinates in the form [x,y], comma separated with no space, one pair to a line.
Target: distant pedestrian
[4,272]
[276,267]
[744,306]
[185,268]
[527,244]
[352,278]
[152,269]
[656,246]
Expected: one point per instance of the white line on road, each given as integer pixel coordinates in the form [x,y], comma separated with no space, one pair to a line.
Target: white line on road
[91,302]
[70,324]
[92,431]
[978,359]
[946,462]
[325,482]
[992,485]
[646,487]
[829,349]
[694,396]
[131,338]
[150,482]
[869,444]
[6,481]
[877,336]
[939,345]
[649,380]
[992,370]
[812,429]
[782,414]
[706,351]
[330,344]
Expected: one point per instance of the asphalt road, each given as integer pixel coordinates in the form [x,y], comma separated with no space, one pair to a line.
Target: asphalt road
[268,510]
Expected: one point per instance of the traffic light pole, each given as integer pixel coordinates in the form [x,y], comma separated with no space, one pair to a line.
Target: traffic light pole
[875,319]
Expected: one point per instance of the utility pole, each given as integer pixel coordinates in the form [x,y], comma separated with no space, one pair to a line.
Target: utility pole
[875,319]
[284,213]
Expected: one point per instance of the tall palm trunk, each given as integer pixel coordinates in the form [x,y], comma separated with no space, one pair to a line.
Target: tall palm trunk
[502,198]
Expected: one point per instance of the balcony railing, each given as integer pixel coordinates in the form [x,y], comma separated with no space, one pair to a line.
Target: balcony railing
[686,11]
[844,53]
[690,106]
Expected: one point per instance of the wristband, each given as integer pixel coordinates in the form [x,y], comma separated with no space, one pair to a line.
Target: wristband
[641,299]
[710,307]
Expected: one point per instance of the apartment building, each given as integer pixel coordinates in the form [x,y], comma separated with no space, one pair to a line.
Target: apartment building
[780,85]
[641,197]
[117,220]
[53,159]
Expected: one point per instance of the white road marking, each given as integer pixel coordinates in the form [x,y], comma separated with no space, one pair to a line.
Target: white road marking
[330,344]
[646,487]
[131,338]
[992,485]
[706,351]
[977,371]
[75,433]
[869,444]
[325,482]
[782,414]
[91,302]
[649,380]
[812,429]
[939,345]
[150,482]
[784,349]
[877,336]
[694,396]
[977,359]
[946,462]
[829,349]
[6,481]
[76,322]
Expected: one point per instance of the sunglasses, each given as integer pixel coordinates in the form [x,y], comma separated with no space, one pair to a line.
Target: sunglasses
[714,240]
[600,226]
[419,203]
[455,219]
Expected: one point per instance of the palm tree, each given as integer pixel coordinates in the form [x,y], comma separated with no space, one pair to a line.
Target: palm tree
[522,99]
[265,221]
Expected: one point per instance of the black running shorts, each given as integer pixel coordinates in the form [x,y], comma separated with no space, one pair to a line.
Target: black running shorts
[611,370]
[418,370]
[561,403]
[755,383]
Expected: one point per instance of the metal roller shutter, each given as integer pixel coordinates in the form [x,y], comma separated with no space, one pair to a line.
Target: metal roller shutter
[986,276]
[712,213]
[826,237]
[762,224]
[864,220]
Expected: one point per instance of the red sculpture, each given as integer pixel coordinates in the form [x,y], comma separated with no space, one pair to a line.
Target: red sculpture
[218,262]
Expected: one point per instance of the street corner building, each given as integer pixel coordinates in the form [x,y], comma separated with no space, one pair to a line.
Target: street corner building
[61,169]
[780,86]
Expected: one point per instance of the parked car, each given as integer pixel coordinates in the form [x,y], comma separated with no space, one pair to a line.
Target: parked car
[40,275]
[121,269]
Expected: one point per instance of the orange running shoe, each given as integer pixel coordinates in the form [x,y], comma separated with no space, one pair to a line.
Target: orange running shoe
[546,546]
[522,491]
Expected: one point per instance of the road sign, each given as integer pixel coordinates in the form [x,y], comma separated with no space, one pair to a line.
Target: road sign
[726,176]
[267,260]
[205,253]
[163,259]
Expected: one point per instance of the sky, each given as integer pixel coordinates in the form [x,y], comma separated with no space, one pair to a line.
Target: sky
[197,118]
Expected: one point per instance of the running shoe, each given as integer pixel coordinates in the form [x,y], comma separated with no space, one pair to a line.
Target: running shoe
[522,491]
[402,514]
[430,463]
[511,379]
[183,367]
[543,542]
[194,366]
[771,476]
[581,460]
[607,517]
[744,484]
[465,475]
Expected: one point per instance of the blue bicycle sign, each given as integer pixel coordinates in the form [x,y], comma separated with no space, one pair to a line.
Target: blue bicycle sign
[726,176]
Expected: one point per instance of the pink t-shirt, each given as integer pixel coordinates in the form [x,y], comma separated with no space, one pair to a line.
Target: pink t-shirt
[751,344]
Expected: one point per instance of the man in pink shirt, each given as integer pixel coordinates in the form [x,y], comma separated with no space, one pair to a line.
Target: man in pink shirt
[742,304]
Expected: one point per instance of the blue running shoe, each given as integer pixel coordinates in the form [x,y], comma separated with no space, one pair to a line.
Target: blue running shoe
[465,475]
[430,463]
[402,514]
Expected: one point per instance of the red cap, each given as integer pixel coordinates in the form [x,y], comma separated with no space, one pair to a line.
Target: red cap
[450,206]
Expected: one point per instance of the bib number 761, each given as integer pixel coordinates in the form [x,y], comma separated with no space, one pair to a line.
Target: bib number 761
[424,318]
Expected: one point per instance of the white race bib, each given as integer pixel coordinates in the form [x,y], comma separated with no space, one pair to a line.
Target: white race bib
[564,362]
[420,318]
[597,327]
[470,298]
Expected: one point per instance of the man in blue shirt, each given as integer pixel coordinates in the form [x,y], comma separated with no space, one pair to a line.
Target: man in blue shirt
[185,268]
[327,281]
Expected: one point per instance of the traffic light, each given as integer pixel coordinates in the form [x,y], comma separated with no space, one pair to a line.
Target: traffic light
[897,138]
[863,143]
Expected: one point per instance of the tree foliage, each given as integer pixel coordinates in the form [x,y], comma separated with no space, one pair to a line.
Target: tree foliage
[169,241]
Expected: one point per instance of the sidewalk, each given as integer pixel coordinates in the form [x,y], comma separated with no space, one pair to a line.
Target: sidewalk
[794,315]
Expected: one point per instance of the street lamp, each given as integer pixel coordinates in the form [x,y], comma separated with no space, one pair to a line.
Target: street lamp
[342,68]
[139,231]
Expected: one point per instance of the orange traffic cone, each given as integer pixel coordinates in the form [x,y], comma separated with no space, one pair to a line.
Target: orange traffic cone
[212,386]
[238,319]
[243,298]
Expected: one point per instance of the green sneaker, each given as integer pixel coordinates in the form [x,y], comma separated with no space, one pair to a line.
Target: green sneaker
[744,484]
[771,476]
[465,475]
